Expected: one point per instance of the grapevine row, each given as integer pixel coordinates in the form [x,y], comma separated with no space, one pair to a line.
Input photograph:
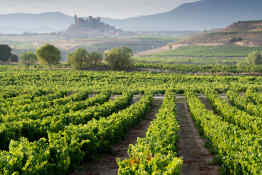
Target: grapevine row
[253,96]
[59,106]
[35,129]
[238,151]
[234,115]
[64,150]
[244,104]
[23,101]
[156,153]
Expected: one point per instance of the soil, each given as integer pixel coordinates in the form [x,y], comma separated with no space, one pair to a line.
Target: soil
[114,96]
[206,102]
[173,47]
[136,98]
[105,164]
[197,159]
[92,95]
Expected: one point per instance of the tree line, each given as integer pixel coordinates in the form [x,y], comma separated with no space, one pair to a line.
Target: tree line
[116,58]
[6,54]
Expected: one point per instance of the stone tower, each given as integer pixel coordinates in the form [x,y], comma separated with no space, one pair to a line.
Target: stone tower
[76,19]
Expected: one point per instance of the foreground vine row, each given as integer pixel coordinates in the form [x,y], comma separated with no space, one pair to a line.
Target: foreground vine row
[64,150]
[156,153]
[238,151]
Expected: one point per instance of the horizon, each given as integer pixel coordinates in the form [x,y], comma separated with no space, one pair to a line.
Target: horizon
[118,10]
[178,15]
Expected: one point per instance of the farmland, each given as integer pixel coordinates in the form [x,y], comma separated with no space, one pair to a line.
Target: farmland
[137,42]
[187,60]
[198,58]
[209,51]
[84,122]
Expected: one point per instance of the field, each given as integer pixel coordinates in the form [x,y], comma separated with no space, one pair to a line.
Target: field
[137,42]
[60,122]
[188,60]
[210,51]
[198,59]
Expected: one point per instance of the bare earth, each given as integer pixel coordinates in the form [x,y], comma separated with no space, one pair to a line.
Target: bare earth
[206,102]
[197,159]
[159,50]
[106,163]
[174,46]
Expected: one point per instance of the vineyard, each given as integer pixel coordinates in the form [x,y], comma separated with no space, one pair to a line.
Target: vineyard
[210,51]
[65,122]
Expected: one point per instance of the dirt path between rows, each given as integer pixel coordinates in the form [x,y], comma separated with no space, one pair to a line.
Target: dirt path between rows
[106,163]
[197,159]
[114,96]
[206,102]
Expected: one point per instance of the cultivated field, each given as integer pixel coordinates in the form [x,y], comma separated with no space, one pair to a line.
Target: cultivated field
[137,42]
[210,51]
[83,123]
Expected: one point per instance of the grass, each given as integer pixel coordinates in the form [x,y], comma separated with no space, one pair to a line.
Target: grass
[188,60]
[210,51]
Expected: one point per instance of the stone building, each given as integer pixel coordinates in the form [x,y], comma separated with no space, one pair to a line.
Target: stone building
[87,21]
[91,27]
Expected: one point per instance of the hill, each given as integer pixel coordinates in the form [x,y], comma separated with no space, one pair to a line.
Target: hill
[41,23]
[243,33]
[245,26]
[200,15]
[91,27]
[204,14]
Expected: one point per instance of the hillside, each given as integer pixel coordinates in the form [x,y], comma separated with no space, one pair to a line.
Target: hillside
[201,15]
[41,23]
[245,26]
[244,33]
[91,27]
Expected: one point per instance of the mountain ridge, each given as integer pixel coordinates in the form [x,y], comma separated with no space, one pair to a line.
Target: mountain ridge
[199,15]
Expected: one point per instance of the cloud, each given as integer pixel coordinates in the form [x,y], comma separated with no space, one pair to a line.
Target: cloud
[105,8]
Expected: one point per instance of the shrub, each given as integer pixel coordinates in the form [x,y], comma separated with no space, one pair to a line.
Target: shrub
[94,58]
[78,58]
[81,59]
[48,54]
[119,58]
[235,39]
[255,58]
[5,53]
[28,58]
[13,58]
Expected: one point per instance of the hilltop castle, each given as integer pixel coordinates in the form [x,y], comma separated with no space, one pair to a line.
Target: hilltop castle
[91,27]
[90,21]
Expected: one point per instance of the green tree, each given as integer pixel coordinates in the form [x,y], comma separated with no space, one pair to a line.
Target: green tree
[78,59]
[5,53]
[119,58]
[255,58]
[170,46]
[48,54]
[28,58]
[94,58]
[81,59]
[13,58]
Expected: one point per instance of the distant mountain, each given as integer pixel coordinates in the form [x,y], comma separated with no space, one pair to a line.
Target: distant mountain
[200,15]
[40,23]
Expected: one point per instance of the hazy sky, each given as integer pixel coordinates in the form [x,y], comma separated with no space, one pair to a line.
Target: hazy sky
[105,8]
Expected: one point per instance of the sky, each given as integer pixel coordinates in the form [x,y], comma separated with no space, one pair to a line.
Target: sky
[103,8]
